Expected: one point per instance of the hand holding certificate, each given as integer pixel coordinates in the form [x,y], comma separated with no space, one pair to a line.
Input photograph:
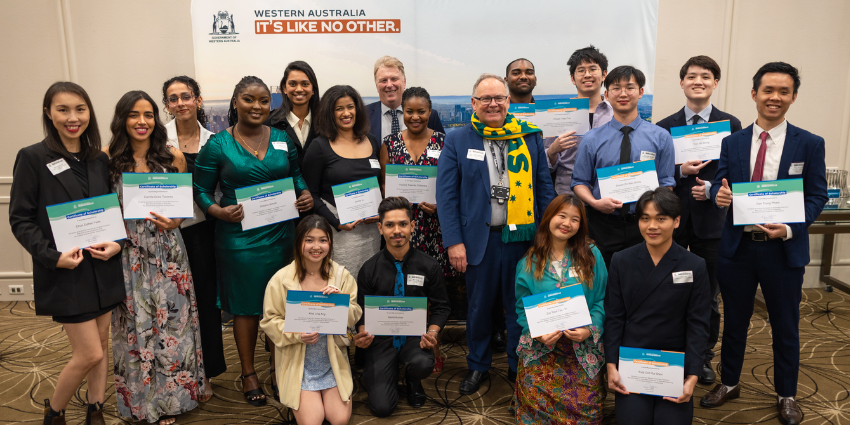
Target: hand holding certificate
[417,183]
[777,201]
[626,182]
[357,200]
[308,312]
[167,194]
[652,372]
[267,203]
[86,222]
[556,310]
[396,316]
[699,141]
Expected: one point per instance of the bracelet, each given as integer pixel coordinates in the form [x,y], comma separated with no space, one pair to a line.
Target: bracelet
[433,330]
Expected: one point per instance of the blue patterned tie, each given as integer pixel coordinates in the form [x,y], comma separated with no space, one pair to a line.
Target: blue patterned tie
[395,127]
[398,291]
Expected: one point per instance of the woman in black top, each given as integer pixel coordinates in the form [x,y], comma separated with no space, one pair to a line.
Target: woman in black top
[79,288]
[344,152]
[299,106]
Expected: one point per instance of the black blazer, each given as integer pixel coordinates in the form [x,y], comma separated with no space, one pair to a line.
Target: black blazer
[707,220]
[645,309]
[283,125]
[374,111]
[93,284]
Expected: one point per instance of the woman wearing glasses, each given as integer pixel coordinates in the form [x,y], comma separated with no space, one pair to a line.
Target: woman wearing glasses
[187,132]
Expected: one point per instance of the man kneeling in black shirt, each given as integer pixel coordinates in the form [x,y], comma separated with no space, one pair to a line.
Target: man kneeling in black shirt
[400,271]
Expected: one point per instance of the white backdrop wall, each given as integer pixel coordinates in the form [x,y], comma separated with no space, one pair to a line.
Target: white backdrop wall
[111,47]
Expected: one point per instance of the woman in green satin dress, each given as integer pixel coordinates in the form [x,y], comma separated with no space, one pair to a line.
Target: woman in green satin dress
[246,154]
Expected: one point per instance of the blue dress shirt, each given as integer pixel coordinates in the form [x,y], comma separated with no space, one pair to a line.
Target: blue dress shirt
[600,148]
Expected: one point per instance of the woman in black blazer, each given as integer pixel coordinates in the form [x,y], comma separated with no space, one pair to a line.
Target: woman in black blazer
[646,308]
[295,116]
[79,288]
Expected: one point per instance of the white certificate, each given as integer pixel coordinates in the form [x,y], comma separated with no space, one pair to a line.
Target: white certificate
[417,183]
[167,194]
[627,182]
[396,316]
[267,203]
[356,200]
[86,222]
[652,372]
[558,116]
[699,141]
[308,312]
[776,201]
[556,310]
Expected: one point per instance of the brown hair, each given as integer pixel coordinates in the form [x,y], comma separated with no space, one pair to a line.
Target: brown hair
[325,120]
[701,61]
[309,223]
[89,140]
[581,255]
[158,156]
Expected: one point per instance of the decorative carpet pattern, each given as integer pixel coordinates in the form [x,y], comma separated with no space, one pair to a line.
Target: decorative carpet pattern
[34,349]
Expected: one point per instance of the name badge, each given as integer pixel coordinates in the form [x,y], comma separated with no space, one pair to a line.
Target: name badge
[281,146]
[796,168]
[475,154]
[573,272]
[415,280]
[646,155]
[433,153]
[59,166]
[683,277]
[375,163]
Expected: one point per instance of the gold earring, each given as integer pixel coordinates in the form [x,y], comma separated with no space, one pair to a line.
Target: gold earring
[199,107]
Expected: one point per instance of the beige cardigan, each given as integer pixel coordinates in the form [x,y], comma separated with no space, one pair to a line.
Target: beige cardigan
[289,349]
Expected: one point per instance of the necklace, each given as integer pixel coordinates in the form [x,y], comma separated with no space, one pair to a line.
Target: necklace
[256,151]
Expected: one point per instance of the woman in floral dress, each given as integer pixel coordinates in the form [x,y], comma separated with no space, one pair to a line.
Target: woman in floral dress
[156,340]
[558,378]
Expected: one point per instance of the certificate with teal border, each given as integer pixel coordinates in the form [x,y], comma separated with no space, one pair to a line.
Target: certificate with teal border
[86,222]
[396,316]
[652,372]
[309,311]
[776,201]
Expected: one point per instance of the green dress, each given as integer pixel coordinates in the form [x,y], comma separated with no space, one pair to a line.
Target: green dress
[246,260]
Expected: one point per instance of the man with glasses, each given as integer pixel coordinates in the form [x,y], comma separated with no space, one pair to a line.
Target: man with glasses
[492,187]
[588,69]
[626,138]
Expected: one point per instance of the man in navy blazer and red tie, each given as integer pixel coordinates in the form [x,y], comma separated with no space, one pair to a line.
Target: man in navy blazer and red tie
[773,255]
[386,116]
[701,222]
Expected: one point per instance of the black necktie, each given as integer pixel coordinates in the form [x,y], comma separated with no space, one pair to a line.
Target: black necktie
[625,158]
[394,128]
[695,120]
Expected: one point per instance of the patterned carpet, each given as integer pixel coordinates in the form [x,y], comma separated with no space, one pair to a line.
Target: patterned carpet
[33,351]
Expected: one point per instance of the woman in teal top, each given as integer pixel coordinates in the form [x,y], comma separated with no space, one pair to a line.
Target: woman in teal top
[558,379]
[246,154]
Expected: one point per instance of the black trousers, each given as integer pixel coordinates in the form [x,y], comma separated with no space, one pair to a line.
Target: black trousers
[707,250]
[612,233]
[380,373]
[639,409]
[200,248]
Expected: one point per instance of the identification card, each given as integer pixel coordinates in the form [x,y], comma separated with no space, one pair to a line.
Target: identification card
[61,165]
[683,277]
[500,193]
[796,168]
[281,146]
[646,155]
[415,280]
[434,153]
[475,154]
[374,163]
[573,272]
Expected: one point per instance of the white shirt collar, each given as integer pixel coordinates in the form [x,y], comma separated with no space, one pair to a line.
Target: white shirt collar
[293,119]
[705,114]
[385,109]
[775,134]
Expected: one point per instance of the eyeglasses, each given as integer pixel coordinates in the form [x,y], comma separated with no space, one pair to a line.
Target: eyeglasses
[591,70]
[487,99]
[186,97]
[629,90]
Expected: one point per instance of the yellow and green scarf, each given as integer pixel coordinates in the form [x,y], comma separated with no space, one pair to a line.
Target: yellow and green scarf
[520,225]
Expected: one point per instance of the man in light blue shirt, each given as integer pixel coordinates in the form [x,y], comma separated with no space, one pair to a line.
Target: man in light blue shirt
[626,138]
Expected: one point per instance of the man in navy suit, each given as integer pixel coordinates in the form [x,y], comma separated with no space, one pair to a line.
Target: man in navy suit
[386,115]
[701,223]
[772,255]
[478,194]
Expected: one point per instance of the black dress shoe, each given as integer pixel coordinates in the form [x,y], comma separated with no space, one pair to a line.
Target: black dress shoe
[789,412]
[415,393]
[497,342]
[708,376]
[473,381]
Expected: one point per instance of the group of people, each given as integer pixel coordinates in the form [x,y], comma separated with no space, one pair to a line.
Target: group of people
[516,214]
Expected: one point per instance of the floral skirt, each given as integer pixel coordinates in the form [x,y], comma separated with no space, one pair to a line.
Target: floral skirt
[555,389]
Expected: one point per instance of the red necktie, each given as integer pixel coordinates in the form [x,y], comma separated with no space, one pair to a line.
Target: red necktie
[758,169]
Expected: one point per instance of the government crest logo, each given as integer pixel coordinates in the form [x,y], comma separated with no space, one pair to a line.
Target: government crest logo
[223,24]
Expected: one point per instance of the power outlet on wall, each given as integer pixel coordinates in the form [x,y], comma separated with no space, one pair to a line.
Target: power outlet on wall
[16,289]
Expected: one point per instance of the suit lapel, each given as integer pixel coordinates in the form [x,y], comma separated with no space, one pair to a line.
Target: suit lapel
[481,166]
[375,115]
[66,178]
[715,115]
[745,141]
[656,275]
[679,120]
[789,149]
